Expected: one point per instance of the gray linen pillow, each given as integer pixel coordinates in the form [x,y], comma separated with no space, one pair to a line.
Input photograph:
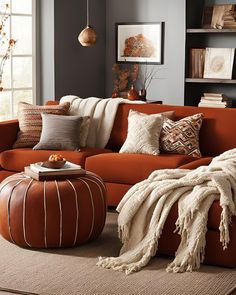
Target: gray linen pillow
[59,132]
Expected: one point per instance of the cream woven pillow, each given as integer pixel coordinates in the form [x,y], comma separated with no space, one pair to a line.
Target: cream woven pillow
[143,133]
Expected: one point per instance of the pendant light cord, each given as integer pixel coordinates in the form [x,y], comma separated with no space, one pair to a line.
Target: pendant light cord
[87,13]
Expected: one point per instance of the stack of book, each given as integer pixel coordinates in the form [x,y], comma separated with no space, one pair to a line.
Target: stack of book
[38,172]
[197,59]
[230,19]
[215,100]
[219,16]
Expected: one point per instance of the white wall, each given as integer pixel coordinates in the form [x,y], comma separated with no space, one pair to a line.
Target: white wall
[47,68]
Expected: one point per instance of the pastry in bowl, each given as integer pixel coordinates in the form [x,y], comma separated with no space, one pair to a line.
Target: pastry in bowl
[55,161]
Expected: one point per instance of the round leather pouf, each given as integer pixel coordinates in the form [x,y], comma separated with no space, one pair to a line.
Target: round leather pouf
[52,213]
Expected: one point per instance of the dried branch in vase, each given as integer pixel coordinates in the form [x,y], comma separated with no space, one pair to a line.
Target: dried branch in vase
[147,75]
[10,43]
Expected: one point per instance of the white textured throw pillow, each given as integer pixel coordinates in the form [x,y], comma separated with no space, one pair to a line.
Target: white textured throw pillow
[143,133]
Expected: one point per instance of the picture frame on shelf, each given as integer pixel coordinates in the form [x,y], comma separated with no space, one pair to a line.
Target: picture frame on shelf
[219,63]
[140,43]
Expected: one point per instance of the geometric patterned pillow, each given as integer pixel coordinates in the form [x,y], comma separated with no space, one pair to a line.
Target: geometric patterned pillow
[182,137]
[30,122]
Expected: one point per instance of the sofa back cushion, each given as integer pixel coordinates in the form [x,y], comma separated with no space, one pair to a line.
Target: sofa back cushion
[216,135]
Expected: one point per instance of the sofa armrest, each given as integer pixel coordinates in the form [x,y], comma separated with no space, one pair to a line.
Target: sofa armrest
[51,102]
[197,163]
[8,134]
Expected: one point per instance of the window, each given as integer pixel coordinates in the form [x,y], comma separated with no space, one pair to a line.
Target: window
[19,71]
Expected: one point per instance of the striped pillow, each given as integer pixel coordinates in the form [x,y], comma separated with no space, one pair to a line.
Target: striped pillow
[30,122]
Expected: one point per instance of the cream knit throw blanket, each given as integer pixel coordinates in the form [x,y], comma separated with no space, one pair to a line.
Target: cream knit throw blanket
[102,113]
[145,207]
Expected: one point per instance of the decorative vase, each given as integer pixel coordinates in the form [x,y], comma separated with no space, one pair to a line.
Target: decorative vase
[132,93]
[142,94]
[115,93]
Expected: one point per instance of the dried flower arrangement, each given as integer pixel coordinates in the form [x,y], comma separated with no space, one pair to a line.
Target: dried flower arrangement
[147,75]
[124,76]
[4,40]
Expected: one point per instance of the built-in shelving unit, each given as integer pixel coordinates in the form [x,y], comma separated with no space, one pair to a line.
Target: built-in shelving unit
[197,37]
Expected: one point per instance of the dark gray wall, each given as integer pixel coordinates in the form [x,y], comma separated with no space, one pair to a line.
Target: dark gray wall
[79,70]
[169,86]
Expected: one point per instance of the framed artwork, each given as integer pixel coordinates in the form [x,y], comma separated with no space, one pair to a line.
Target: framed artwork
[140,42]
[219,63]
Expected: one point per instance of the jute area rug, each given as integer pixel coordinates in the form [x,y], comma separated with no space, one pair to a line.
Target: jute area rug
[73,271]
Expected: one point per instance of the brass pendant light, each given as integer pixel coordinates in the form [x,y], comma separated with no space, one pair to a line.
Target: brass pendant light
[88,36]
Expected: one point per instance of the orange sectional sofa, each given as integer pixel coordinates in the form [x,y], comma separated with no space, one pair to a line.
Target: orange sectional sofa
[121,171]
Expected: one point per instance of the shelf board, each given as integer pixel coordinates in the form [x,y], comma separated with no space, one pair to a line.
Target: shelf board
[211,31]
[198,80]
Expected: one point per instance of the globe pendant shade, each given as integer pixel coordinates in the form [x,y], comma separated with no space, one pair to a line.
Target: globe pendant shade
[87,37]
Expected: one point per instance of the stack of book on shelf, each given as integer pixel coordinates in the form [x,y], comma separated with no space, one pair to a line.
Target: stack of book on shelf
[215,100]
[197,59]
[219,16]
[230,19]
[69,170]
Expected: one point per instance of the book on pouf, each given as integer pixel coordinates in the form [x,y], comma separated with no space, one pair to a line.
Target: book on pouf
[38,172]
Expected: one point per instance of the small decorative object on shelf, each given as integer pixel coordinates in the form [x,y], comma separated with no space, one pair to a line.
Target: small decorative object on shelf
[219,63]
[132,93]
[115,93]
[142,94]
[4,40]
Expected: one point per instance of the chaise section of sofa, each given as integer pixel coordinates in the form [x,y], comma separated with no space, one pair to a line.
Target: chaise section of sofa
[121,171]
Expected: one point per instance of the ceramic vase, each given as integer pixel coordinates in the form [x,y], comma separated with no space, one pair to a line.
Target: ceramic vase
[132,93]
[115,93]
[142,94]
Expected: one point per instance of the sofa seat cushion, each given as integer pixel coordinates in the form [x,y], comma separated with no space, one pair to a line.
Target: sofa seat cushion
[132,168]
[17,159]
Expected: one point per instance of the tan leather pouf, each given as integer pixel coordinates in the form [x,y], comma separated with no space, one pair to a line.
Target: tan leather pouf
[52,213]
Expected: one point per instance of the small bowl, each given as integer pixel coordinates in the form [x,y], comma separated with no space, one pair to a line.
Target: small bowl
[54,165]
